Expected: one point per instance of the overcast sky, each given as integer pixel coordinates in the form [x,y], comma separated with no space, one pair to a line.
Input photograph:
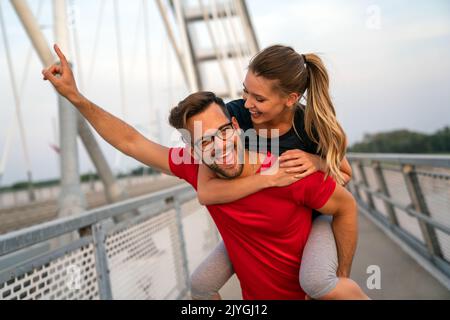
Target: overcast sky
[388,63]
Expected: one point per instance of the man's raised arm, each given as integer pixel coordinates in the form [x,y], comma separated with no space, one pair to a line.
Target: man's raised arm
[116,132]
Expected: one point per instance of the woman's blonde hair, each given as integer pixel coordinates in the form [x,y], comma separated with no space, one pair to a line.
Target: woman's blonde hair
[300,73]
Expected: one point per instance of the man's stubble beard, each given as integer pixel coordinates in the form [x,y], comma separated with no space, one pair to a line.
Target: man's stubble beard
[240,150]
[223,174]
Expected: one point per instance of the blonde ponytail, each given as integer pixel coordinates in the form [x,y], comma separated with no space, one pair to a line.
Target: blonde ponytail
[321,124]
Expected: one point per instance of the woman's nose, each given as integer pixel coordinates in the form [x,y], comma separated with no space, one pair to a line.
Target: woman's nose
[248,103]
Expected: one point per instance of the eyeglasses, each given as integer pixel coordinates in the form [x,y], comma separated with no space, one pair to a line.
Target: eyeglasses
[206,143]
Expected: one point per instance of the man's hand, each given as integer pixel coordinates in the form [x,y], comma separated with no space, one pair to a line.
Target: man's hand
[116,132]
[61,77]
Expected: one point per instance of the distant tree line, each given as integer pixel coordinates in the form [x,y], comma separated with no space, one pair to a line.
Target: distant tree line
[405,141]
[139,171]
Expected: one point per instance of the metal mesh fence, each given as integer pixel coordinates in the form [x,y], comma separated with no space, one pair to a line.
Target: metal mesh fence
[148,256]
[70,276]
[372,181]
[435,186]
[200,233]
[398,192]
[144,259]
[418,190]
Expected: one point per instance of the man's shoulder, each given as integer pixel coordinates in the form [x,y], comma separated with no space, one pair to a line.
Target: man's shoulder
[183,165]
[313,190]
[313,180]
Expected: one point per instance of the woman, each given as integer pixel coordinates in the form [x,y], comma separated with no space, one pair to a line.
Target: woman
[310,139]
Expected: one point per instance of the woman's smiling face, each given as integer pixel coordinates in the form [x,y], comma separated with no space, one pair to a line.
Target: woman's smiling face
[262,100]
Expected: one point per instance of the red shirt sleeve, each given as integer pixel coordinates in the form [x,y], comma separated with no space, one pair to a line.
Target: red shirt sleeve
[183,166]
[313,191]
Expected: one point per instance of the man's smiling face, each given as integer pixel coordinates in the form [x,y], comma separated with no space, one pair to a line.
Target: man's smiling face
[216,142]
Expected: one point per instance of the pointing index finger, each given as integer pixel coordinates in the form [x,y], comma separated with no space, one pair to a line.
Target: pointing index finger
[61,56]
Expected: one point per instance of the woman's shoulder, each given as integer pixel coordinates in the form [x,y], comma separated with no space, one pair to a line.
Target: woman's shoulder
[299,126]
[236,106]
[237,109]
[299,118]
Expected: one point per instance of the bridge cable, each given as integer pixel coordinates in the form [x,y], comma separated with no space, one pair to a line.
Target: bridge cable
[96,41]
[76,42]
[251,49]
[170,33]
[220,53]
[154,112]
[237,44]
[136,43]
[120,66]
[17,103]
[13,122]
[228,38]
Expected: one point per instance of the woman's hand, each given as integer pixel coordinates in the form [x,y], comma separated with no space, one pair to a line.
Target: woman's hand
[278,177]
[301,163]
[65,83]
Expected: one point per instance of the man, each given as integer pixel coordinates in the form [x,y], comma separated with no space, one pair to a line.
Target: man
[264,233]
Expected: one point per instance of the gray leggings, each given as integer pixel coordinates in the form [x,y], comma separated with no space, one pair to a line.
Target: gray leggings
[317,272]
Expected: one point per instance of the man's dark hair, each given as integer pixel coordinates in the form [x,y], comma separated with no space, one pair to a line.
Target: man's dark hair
[193,105]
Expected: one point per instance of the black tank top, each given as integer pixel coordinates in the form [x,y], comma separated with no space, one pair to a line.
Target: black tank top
[288,141]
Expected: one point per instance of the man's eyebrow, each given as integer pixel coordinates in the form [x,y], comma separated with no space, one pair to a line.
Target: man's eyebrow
[218,129]
[224,125]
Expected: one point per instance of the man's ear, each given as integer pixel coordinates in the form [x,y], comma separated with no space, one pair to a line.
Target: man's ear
[235,123]
[192,151]
[194,155]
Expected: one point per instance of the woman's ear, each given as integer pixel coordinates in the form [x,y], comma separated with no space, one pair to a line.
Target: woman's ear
[292,99]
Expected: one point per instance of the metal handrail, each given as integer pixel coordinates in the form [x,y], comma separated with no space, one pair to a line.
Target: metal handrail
[17,240]
[410,166]
[97,222]
[406,209]
[441,161]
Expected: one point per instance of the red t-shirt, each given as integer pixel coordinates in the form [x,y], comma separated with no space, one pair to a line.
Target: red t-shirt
[265,232]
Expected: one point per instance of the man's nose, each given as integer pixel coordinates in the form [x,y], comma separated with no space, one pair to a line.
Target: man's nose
[221,147]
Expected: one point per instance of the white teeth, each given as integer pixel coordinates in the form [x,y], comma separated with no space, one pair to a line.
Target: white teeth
[229,150]
[229,159]
[228,156]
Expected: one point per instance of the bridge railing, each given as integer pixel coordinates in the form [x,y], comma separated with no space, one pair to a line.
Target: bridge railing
[150,253]
[13,198]
[409,197]
[147,255]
